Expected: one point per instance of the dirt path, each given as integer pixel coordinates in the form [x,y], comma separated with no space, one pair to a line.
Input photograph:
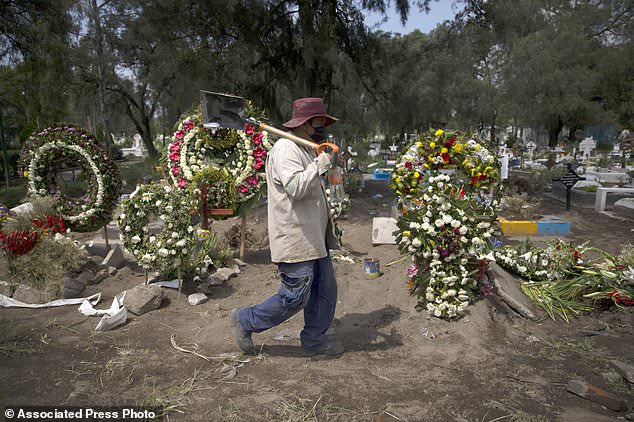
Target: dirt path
[399,364]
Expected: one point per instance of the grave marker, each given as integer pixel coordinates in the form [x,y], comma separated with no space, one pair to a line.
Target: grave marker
[569,180]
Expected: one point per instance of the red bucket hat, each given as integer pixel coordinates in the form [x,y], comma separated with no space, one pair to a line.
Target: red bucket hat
[305,109]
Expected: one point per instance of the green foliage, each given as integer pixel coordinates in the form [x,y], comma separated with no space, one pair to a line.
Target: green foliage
[208,255]
[588,188]
[30,128]
[48,264]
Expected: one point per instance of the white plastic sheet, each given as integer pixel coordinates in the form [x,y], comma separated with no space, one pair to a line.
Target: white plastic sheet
[8,302]
[111,318]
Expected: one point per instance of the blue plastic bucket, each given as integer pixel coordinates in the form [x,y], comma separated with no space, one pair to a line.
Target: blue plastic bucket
[372,267]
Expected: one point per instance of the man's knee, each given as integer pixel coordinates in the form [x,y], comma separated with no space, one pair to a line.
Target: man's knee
[296,290]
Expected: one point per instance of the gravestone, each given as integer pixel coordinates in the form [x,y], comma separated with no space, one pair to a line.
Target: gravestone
[569,180]
[531,146]
[586,147]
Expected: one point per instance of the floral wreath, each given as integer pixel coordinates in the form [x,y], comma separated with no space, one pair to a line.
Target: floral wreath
[74,144]
[195,148]
[165,251]
[447,222]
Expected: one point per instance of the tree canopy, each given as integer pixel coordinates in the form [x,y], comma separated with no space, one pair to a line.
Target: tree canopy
[130,65]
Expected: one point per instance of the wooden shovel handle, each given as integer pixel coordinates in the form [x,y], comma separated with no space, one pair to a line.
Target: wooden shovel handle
[300,141]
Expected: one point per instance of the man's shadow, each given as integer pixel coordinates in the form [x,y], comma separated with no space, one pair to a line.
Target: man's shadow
[356,332]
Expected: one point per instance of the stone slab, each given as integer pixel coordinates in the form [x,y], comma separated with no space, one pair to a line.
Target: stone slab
[597,395]
[624,369]
[624,207]
[507,286]
[382,231]
[114,258]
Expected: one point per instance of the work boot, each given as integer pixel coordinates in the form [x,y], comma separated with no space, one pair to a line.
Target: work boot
[326,349]
[243,338]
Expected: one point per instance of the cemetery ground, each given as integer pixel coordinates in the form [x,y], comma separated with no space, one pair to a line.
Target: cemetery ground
[399,364]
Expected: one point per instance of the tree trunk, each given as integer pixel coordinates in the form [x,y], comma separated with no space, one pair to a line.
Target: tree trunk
[101,73]
[147,137]
[309,50]
[553,131]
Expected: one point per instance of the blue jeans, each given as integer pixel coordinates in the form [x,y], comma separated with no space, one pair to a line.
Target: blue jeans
[308,285]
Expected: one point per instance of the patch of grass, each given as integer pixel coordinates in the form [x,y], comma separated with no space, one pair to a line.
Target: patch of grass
[554,350]
[617,382]
[48,264]
[127,357]
[230,412]
[11,345]
[17,346]
[520,416]
[304,410]
[588,188]
[175,399]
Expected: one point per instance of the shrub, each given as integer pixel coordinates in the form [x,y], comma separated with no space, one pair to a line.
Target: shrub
[48,264]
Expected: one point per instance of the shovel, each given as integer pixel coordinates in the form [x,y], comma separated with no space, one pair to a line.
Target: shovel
[227,111]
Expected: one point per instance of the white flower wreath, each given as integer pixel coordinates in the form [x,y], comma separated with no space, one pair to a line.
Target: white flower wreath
[164,251]
[447,223]
[39,163]
[41,150]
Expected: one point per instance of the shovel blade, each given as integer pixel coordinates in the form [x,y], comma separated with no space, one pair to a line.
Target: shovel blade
[222,110]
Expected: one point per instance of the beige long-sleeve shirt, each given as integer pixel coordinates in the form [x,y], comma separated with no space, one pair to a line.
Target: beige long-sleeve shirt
[300,228]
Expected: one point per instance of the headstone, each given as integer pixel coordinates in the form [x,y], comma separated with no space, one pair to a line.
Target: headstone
[504,171]
[531,146]
[586,147]
[382,231]
[114,258]
[143,298]
[508,288]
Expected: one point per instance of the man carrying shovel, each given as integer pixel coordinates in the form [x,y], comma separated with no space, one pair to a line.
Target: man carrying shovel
[300,234]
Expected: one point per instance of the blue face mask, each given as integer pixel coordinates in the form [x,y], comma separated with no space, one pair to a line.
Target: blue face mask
[320,134]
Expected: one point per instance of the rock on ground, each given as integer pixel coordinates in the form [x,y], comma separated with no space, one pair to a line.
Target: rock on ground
[143,298]
[72,288]
[6,288]
[29,294]
[197,299]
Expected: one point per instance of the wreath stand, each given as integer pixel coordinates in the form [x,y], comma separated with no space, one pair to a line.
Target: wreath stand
[221,211]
